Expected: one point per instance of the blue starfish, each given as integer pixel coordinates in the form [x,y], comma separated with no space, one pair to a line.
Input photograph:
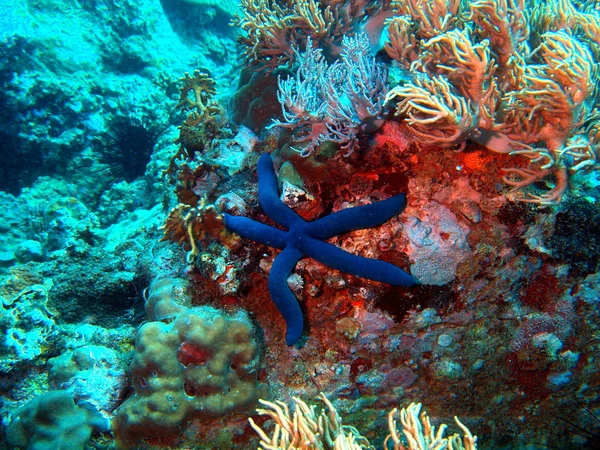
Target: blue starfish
[306,239]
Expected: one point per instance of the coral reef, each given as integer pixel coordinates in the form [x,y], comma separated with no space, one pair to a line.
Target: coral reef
[438,244]
[473,74]
[91,374]
[53,420]
[306,239]
[324,430]
[27,320]
[333,103]
[254,104]
[391,98]
[188,363]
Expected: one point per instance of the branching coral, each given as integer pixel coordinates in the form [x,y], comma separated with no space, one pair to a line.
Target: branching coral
[202,123]
[473,71]
[333,103]
[306,428]
[190,226]
[195,220]
[435,112]
[203,87]
[274,30]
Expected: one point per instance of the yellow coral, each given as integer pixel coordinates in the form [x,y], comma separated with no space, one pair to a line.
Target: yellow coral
[402,44]
[540,112]
[503,23]
[434,112]
[203,88]
[469,79]
[272,32]
[553,15]
[550,108]
[308,430]
[421,435]
[570,63]
[469,67]
[433,16]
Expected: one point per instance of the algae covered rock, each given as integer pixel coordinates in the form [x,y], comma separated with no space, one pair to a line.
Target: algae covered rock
[53,421]
[91,373]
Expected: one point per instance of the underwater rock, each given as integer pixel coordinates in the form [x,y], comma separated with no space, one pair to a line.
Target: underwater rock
[29,250]
[53,420]
[92,374]
[438,244]
[7,259]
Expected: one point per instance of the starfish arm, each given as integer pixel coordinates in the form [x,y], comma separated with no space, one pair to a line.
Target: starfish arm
[339,259]
[268,194]
[282,296]
[259,232]
[357,218]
